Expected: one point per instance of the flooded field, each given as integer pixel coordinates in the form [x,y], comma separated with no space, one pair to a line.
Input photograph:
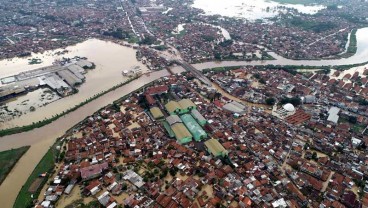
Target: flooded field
[19,106]
[110,60]
[251,9]
[42,138]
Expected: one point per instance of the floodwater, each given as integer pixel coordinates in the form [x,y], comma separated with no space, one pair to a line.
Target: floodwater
[251,9]
[110,60]
[360,56]
[44,137]
[24,104]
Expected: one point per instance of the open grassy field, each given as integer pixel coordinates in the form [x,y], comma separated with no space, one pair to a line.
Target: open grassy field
[8,159]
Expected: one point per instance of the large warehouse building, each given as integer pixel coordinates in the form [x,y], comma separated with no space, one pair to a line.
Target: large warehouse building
[156,113]
[198,116]
[194,128]
[181,107]
[215,148]
[181,133]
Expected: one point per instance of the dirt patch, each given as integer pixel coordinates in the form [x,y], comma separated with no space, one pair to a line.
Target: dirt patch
[35,185]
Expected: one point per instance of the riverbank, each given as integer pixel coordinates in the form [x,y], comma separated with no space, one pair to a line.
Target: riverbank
[110,59]
[8,159]
[32,187]
[57,116]
[286,67]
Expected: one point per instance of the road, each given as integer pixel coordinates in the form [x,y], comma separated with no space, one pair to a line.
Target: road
[195,72]
[342,30]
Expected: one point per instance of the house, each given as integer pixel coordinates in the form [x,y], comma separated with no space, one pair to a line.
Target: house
[93,171]
[93,188]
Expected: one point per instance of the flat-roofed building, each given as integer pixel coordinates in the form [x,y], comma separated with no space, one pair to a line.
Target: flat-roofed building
[173,119]
[194,128]
[181,133]
[235,107]
[156,113]
[198,116]
[84,63]
[215,148]
[333,114]
[173,107]
[186,105]
[69,77]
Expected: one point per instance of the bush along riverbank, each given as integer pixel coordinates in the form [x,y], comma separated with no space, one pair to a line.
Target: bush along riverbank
[8,159]
[33,186]
[46,121]
[285,67]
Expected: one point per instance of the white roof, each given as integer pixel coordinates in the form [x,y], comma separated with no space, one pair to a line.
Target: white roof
[57,181]
[289,107]
[279,203]
[332,114]
[112,205]
[334,110]
[45,203]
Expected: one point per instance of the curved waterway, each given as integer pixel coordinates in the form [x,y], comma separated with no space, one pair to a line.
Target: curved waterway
[42,138]
[110,60]
[360,56]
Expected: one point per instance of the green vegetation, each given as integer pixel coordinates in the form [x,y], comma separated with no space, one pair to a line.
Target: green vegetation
[149,40]
[289,68]
[363,102]
[353,19]
[133,39]
[34,61]
[8,159]
[312,25]
[352,48]
[270,101]
[160,47]
[358,128]
[46,121]
[221,69]
[181,34]
[119,33]
[226,43]
[208,38]
[294,100]
[46,165]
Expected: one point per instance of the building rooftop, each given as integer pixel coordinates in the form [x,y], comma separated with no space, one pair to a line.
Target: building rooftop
[215,147]
[156,113]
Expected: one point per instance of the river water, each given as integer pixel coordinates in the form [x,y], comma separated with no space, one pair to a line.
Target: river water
[40,139]
[110,60]
[360,57]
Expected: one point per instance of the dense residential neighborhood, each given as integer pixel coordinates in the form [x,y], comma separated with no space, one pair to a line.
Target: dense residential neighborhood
[46,25]
[179,143]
